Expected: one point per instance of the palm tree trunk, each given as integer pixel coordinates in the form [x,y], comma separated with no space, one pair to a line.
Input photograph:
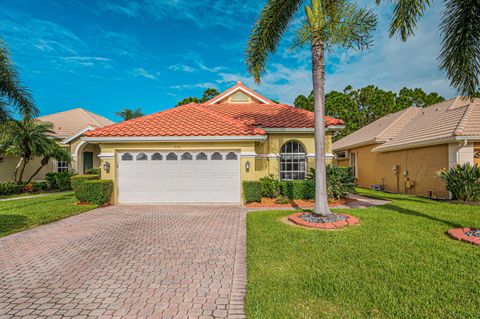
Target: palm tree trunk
[318,77]
[43,163]
[19,181]
[15,172]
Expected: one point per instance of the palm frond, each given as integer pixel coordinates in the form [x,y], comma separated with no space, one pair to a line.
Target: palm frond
[274,20]
[460,54]
[11,88]
[406,14]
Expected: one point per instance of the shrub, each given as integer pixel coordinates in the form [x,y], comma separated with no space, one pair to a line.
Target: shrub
[340,181]
[463,181]
[9,188]
[78,179]
[93,171]
[298,189]
[270,186]
[97,192]
[62,181]
[252,191]
[27,188]
[39,186]
[50,179]
[282,200]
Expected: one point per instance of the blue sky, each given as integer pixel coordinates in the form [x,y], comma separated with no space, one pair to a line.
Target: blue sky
[104,55]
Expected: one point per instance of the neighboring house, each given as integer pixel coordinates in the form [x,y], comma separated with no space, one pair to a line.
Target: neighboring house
[68,126]
[404,151]
[201,153]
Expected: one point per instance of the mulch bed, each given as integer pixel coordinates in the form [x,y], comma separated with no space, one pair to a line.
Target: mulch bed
[297,203]
[469,235]
[335,221]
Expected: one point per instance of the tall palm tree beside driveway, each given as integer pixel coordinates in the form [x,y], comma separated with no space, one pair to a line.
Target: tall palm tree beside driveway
[328,24]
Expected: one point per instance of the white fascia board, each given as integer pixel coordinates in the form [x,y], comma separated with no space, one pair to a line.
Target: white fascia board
[349,147]
[335,127]
[427,143]
[235,90]
[288,129]
[133,139]
[106,155]
[79,133]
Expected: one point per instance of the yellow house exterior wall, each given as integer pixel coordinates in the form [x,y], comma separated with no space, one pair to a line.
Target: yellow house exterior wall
[8,164]
[253,152]
[419,164]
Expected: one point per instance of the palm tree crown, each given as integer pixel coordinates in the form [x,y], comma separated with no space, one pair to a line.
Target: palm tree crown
[11,91]
[128,114]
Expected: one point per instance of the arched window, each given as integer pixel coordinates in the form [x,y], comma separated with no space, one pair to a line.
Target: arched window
[157,157]
[142,157]
[127,157]
[172,157]
[201,156]
[216,156]
[231,156]
[187,156]
[292,161]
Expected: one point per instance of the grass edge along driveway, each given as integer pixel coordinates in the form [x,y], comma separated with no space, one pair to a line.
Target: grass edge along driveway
[20,214]
[398,263]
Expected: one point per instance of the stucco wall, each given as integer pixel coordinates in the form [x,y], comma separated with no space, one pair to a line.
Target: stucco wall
[8,164]
[477,151]
[260,155]
[420,166]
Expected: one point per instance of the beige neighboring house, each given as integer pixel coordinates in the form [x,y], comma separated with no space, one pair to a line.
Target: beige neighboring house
[69,126]
[403,151]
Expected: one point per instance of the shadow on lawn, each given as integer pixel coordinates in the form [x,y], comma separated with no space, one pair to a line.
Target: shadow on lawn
[12,223]
[409,212]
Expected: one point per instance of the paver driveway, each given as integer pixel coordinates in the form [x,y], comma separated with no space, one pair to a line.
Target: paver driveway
[128,261]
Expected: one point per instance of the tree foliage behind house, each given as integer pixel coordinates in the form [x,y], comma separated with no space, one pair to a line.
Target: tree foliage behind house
[360,107]
[207,95]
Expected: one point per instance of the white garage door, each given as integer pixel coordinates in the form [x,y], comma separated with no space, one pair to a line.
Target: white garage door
[178,177]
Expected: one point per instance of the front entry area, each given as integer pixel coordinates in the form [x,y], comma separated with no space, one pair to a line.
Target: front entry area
[159,177]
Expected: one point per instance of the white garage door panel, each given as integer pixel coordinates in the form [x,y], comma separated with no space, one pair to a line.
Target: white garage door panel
[180,181]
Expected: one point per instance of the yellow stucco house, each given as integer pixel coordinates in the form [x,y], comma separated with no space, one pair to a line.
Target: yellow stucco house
[402,152]
[201,153]
[68,126]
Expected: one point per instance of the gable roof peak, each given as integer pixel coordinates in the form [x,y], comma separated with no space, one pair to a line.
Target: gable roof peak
[239,86]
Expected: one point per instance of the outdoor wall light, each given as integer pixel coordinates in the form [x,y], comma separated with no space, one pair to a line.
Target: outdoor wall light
[247,166]
[106,167]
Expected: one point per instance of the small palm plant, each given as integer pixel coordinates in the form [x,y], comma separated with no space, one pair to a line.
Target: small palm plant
[28,139]
[463,182]
[328,24]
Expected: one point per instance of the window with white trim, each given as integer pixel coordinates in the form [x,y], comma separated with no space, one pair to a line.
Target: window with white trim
[201,156]
[187,156]
[142,157]
[62,166]
[216,156]
[172,157]
[157,157]
[293,162]
[353,164]
[231,156]
[127,157]
[341,155]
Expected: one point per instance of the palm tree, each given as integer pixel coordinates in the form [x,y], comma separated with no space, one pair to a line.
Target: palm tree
[328,24]
[460,52]
[28,139]
[128,114]
[11,91]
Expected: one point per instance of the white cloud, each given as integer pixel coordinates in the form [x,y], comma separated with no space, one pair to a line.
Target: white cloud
[182,68]
[141,72]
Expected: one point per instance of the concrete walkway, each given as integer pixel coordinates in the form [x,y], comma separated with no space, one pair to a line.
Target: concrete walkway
[31,196]
[128,262]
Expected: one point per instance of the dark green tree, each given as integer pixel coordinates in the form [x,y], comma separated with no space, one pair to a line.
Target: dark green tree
[207,95]
[460,29]
[12,93]
[328,24]
[128,114]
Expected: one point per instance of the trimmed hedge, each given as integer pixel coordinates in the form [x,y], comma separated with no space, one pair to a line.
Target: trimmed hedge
[78,179]
[252,191]
[9,188]
[97,192]
[270,186]
[62,181]
[298,189]
[93,171]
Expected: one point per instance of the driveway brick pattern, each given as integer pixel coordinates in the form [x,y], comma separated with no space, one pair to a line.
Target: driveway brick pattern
[128,262]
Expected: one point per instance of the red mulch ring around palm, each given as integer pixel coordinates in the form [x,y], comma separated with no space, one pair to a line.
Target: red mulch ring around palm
[346,220]
[297,203]
[468,235]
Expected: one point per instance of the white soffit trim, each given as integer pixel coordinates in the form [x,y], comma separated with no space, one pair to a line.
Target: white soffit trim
[335,127]
[74,136]
[106,155]
[175,138]
[235,90]
[427,143]
[248,154]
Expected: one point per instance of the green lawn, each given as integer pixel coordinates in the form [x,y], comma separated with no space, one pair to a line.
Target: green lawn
[17,215]
[398,263]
